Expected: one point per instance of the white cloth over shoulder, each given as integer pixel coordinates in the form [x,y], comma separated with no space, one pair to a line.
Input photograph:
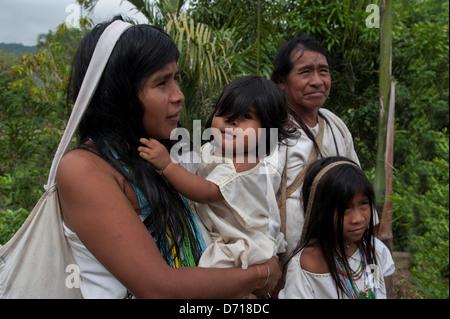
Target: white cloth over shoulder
[301,284]
[245,227]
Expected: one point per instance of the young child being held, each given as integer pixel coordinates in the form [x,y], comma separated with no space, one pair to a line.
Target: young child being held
[338,255]
[233,183]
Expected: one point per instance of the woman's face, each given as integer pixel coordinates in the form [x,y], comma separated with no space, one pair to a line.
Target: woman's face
[161,99]
[308,84]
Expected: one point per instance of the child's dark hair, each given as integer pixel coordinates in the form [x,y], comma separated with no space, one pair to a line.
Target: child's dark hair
[268,99]
[324,216]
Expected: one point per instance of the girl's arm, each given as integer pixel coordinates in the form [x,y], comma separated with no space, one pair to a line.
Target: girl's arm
[190,185]
[96,207]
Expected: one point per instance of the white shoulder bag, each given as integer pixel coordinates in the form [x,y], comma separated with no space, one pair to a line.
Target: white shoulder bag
[37,261]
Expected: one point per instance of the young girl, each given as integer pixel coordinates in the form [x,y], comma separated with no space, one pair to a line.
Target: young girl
[338,255]
[236,196]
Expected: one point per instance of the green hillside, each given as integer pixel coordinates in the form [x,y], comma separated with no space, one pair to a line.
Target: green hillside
[17,48]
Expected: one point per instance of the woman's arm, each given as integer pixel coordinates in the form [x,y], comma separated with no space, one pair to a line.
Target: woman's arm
[190,185]
[96,208]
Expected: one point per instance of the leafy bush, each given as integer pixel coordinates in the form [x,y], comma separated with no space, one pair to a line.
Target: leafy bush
[32,100]
[421,224]
[10,222]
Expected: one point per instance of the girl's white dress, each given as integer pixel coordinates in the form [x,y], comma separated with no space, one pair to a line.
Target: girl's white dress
[245,227]
[301,284]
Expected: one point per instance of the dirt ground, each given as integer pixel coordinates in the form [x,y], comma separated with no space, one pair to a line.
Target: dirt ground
[402,286]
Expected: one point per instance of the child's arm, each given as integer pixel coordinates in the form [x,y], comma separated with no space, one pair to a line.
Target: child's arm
[190,185]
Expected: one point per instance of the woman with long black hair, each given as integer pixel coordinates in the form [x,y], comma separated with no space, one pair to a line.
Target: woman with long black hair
[132,233]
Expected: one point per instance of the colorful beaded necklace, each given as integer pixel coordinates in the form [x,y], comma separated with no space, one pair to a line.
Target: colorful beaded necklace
[349,284]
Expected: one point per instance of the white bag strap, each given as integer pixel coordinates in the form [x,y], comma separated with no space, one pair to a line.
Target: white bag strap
[100,57]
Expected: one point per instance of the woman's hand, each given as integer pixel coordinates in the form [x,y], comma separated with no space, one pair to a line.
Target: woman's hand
[154,152]
[270,273]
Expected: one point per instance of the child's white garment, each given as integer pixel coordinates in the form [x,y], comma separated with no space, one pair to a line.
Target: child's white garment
[301,284]
[245,227]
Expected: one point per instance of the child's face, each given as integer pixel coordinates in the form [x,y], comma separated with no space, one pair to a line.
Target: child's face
[240,135]
[356,218]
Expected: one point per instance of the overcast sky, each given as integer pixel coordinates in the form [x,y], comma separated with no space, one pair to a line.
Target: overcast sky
[21,21]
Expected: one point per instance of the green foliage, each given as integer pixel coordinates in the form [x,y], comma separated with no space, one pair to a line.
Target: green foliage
[157,12]
[33,112]
[421,193]
[421,209]
[10,222]
[204,64]
[252,50]
[24,138]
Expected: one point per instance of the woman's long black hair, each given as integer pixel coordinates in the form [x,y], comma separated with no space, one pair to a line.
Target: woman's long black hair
[114,122]
[324,226]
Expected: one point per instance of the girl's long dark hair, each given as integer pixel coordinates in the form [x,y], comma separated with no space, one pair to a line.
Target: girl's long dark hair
[114,122]
[324,226]
[268,99]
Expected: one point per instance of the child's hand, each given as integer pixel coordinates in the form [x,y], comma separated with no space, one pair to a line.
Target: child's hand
[154,152]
